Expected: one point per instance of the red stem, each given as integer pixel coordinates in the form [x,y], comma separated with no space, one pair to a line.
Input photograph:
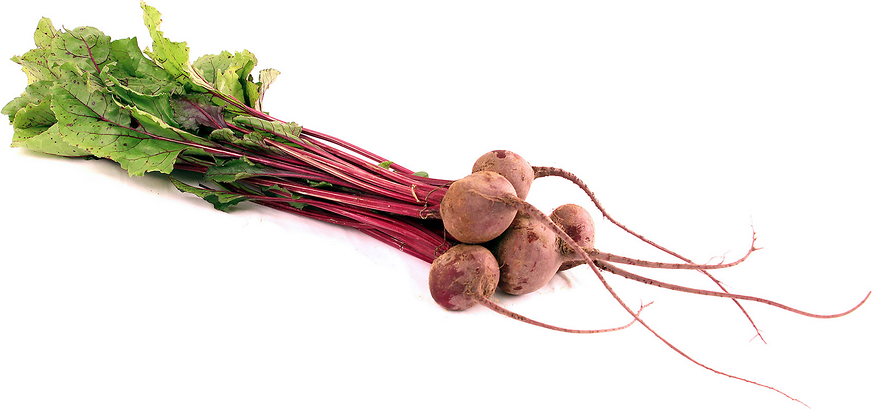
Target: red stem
[373,203]
[363,181]
[354,149]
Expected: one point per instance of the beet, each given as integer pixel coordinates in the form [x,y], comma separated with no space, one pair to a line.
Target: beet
[577,223]
[473,210]
[529,256]
[511,166]
[462,276]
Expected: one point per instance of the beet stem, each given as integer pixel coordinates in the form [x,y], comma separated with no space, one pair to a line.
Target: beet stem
[347,173]
[354,148]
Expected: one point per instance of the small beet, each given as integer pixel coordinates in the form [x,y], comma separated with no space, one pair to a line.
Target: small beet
[462,276]
[467,275]
[577,223]
[511,165]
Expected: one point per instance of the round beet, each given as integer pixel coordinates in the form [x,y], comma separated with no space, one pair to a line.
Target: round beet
[577,223]
[512,166]
[529,256]
[467,275]
[473,211]
[462,276]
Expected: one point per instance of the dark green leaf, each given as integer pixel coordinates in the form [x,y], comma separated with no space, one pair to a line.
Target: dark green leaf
[271,191]
[234,170]
[288,130]
[319,184]
[222,200]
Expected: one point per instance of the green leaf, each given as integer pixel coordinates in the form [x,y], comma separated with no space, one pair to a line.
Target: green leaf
[252,140]
[225,75]
[34,123]
[134,92]
[266,78]
[139,74]
[234,170]
[252,93]
[319,184]
[139,82]
[422,174]
[33,94]
[86,47]
[288,130]
[226,72]
[35,63]
[285,193]
[222,201]
[39,90]
[21,136]
[171,56]
[386,164]
[45,33]
[92,120]
[212,66]
[12,107]
[229,83]
[129,57]
[237,169]
[33,115]
[45,140]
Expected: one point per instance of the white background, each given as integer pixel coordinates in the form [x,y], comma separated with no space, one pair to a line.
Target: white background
[689,121]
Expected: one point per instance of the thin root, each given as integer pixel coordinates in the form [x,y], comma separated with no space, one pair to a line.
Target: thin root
[511,314]
[532,211]
[597,255]
[543,171]
[645,280]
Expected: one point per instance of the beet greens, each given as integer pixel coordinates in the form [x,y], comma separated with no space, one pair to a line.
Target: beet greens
[154,111]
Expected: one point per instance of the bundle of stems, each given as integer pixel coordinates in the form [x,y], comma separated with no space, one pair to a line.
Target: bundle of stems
[334,181]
